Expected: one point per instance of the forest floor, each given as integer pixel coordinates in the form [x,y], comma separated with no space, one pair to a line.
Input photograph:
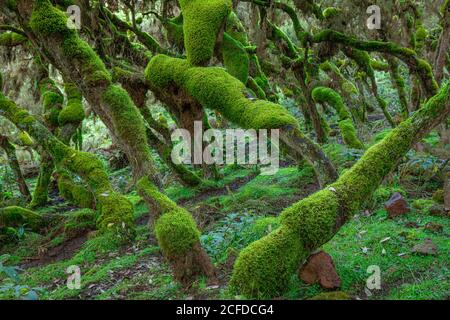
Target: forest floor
[241,210]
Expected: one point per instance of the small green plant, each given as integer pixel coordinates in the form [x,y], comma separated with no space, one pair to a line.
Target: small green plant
[10,287]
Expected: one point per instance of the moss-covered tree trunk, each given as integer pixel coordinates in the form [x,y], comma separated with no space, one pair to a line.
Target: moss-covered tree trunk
[46,167]
[265,267]
[444,42]
[10,151]
[47,27]
[176,82]
[399,84]
[116,210]
[79,64]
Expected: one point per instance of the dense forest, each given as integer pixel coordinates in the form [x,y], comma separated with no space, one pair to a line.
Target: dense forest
[224,149]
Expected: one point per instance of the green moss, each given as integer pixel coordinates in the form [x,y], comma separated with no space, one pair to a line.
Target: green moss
[17,217]
[175,229]
[25,138]
[379,65]
[348,131]
[265,267]
[235,58]
[11,39]
[73,111]
[421,33]
[331,97]
[52,100]
[202,22]
[74,192]
[236,30]
[362,58]
[116,215]
[424,69]
[382,194]
[276,254]
[147,189]
[384,107]
[40,194]
[176,232]
[175,34]
[423,205]
[439,196]
[47,21]
[126,117]
[79,222]
[216,89]
[116,212]
[359,54]
[331,12]
[349,88]
[349,134]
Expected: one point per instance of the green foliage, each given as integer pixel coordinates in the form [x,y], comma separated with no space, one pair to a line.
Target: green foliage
[312,221]
[393,256]
[235,232]
[263,193]
[9,283]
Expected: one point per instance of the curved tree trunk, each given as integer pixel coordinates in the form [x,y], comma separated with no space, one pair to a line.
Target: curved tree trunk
[265,267]
[444,43]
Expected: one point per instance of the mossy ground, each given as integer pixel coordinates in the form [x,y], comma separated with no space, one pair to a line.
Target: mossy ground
[111,270]
[232,213]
